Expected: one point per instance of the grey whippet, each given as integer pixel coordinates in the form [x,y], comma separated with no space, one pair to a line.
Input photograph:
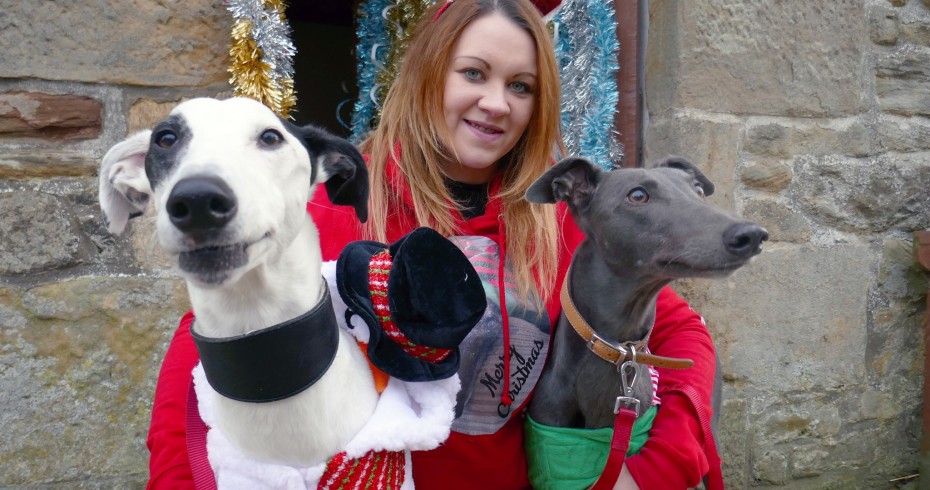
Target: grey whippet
[644,228]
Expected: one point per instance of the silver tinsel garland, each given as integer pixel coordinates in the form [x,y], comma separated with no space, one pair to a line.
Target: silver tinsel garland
[272,36]
[587,51]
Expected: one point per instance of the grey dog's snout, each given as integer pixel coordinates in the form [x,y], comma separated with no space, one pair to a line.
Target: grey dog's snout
[201,203]
[744,239]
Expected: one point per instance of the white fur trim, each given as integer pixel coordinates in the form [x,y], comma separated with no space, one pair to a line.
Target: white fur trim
[409,416]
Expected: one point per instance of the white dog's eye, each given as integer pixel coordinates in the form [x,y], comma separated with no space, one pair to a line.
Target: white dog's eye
[165,138]
[271,138]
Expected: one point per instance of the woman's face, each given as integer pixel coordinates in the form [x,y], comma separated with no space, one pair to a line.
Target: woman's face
[488,97]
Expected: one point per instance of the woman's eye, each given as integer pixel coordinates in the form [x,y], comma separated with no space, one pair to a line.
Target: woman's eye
[638,196]
[472,74]
[165,138]
[271,138]
[699,189]
[520,87]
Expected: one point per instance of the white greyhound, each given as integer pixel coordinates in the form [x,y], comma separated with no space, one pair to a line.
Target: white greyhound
[229,182]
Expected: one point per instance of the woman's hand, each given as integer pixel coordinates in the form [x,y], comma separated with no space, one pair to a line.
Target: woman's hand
[625,481]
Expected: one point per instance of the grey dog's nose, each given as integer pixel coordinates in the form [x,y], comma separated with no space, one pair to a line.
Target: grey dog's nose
[745,239]
[201,203]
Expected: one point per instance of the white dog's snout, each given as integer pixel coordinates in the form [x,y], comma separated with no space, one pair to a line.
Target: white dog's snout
[201,204]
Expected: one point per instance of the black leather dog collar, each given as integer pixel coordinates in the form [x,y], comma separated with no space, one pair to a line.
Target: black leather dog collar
[275,362]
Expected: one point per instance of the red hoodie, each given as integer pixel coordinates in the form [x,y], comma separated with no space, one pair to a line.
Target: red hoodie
[673,457]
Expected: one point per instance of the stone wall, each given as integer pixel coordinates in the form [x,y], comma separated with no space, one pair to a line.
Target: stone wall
[85,317]
[812,117]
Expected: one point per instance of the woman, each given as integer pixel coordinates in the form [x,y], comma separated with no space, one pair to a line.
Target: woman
[470,122]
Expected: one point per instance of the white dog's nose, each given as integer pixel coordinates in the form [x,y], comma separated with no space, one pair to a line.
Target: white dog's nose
[201,204]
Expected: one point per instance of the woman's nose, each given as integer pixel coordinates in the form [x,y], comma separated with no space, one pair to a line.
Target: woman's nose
[494,101]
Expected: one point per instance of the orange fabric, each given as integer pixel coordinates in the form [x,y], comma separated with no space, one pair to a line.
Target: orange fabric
[380,377]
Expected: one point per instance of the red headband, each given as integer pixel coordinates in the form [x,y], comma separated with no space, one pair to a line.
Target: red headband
[442,9]
[544,6]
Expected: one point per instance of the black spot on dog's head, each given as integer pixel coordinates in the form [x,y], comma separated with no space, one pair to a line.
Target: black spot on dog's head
[170,139]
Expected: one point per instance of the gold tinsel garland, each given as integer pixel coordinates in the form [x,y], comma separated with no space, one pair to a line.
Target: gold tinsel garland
[252,74]
[401,18]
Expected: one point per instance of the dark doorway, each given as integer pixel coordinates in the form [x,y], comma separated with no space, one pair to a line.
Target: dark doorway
[324,67]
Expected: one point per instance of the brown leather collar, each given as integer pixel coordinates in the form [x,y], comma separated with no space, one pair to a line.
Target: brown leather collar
[606,350]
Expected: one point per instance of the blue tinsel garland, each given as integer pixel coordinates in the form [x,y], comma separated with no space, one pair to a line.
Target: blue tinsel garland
[370,55]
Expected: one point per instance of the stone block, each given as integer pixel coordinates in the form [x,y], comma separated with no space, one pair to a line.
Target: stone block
[767,175]
[808,420]
[709,144]
[903,134]
[770,139]
[146,113]
[78,379]
[784,322]
[783,141]
[864,195]
[916,30]
[135,42]
[809,461]
[149,255]
[758,57]
[874,404]
[899,280]
[898,303]
[782,223]
[771,467]
[44,163]
[51,117]
[38,234]
[883,26]
[902,82]
[733,441]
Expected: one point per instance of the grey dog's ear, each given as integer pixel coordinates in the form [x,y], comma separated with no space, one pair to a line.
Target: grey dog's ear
[124,190]
[572,180]
[682,164]
[341,168]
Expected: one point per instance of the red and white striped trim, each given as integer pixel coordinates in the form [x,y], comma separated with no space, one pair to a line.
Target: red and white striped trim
[379,267]
[375,470]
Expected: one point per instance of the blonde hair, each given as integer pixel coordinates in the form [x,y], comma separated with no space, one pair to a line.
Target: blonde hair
[412,121]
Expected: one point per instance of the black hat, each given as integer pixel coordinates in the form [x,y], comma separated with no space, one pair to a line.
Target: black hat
[430,300]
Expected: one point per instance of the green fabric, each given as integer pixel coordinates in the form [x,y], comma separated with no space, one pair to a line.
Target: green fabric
[565,459]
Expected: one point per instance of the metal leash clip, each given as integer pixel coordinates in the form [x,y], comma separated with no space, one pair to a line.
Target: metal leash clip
[628,379]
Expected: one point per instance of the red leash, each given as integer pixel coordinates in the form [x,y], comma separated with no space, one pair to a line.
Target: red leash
[713,480]
[625,410]
[619,444]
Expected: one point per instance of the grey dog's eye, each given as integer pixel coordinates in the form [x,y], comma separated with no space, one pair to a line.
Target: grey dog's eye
[165,138]
[699,189]
[638,196]
[271,138]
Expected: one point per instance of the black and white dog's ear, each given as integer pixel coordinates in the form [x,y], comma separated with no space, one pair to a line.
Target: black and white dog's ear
[124,189]
[340,166]
[572,180]
[682,164]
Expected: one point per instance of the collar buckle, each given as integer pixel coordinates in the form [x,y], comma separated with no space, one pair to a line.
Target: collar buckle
[597,344]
